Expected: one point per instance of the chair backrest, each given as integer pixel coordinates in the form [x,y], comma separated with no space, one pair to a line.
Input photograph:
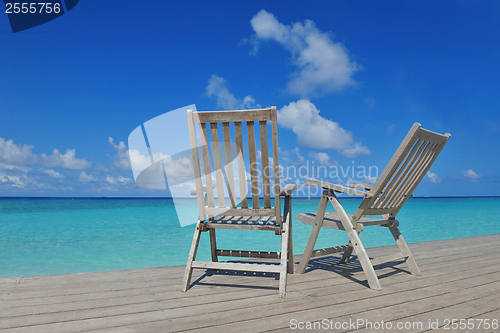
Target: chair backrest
[218,154]
[405,170]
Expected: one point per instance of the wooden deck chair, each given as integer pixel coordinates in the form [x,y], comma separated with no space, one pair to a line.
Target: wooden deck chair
[386,197]
[261,215]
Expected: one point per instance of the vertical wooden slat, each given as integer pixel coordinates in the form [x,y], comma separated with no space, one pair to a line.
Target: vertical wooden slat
[276,162]
[229,164]
[419,165]
[399,192]
[213,245]
[388,171]
[394,189]
[206,164]
[433,156]
[196,164]
[265,164]
[217,164]
[254,181]
[409,171]
[422,165]
[389,188]
[288,218]
[242,176]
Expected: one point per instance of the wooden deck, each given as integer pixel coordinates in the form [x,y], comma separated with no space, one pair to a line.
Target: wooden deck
[461,280]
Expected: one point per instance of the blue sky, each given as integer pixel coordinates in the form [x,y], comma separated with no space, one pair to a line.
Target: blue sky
[362,72]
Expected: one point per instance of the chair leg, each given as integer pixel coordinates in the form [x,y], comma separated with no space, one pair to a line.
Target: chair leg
[347,255]
[290,241]
[410,261]
[192,256]
[213,245]
[355,241]
[371,276]
[306,256]
[285,235]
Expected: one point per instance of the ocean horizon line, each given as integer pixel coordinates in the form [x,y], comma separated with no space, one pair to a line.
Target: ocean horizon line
[194,197]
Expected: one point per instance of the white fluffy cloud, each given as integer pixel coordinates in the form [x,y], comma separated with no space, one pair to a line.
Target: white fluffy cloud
[302,117]
[13,176]
[17,178]
[323,159]
[119,180]
[51,173]
[316,132]
[19,154]
[324,65]
[84,178]
[122,160]
[433,178]
[67,161]
[16,154]
[355,150]
[470,175]
[18,174]
[286,156]
[217,87]
[178,171]
[138,161]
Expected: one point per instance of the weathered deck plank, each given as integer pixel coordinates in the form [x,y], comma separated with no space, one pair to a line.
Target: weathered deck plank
[461,279]
[171,291]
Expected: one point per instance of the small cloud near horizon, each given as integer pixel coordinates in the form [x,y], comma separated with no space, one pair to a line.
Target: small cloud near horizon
[21,154]
[433,178]
[470,175]
[323,159]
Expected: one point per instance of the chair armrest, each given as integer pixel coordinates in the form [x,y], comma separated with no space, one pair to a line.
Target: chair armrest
[338,188]
[367,187]
[288,190]
[204,189]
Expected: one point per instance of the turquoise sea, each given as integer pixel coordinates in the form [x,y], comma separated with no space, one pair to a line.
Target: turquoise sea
[45,236]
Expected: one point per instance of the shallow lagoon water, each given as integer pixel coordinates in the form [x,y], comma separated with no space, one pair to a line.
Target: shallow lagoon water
[45,236]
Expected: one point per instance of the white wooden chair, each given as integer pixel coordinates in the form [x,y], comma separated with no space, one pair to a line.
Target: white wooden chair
[242,217]
[386,197]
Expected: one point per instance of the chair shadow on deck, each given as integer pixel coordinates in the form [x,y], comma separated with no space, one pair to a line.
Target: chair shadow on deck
[238,275]
[329,263]
[333,264]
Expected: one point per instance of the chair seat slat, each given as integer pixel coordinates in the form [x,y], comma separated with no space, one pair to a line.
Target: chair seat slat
[264,219]
[215,211]
[245,220]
